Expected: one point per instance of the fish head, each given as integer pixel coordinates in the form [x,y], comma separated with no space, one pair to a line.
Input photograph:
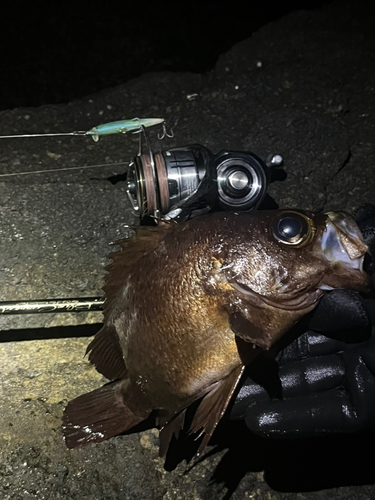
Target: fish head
[280,263]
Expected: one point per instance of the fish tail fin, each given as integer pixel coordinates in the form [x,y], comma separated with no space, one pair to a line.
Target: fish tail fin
[213,406]
[97,415]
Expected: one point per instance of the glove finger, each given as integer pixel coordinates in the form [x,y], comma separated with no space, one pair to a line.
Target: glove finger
[365,218]
[307,416]
[308,345]
[339,310]
[297,379]
[369,305]
[360,383]
[330,364]
[353,367]
[311,375]
[367,352]
[250,392]
[348,407]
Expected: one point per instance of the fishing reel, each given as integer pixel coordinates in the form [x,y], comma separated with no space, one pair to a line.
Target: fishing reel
[179,184]
[183,182]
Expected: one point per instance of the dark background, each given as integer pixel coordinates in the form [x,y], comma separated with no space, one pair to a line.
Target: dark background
[56,51]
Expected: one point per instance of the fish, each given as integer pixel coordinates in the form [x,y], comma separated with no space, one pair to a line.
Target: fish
[188,306]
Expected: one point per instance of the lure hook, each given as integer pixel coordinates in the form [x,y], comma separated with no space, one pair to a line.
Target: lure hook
[165,132]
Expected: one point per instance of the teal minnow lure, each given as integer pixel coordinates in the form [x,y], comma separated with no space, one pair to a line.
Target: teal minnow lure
[122,127]
[118,127]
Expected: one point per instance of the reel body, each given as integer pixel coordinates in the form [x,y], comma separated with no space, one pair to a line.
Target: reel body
[179,181]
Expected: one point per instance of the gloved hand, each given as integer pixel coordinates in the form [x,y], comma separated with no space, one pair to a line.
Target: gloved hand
[326,377]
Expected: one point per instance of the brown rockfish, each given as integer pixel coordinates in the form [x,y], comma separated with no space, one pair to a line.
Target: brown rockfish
[188,306]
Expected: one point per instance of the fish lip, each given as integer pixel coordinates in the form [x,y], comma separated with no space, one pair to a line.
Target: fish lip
[343,246]
[349,235]
[290,302]
[342,241]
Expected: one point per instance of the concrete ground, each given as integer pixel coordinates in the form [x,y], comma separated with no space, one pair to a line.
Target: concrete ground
[302,87]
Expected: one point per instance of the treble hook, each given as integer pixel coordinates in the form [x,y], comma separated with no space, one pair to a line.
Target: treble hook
[165,133]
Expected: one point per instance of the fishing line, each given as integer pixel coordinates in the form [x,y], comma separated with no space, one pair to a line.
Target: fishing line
[25,136]
[66,168]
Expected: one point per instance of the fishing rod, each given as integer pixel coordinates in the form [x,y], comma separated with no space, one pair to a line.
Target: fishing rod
[174,184]
[51,306]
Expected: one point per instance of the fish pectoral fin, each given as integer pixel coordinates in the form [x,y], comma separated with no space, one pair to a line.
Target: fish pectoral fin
[106,355]
[244,328]
[213,406]
[169,426]
[98,415]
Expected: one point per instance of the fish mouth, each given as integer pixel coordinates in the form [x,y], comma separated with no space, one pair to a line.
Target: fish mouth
[342,245]
[291,302]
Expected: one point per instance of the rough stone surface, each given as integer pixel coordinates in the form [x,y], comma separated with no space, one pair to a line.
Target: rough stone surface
[302,87]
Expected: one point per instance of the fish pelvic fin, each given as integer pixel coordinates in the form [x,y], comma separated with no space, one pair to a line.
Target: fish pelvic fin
[106,355]
[97,416]
[169,427]
[213,407]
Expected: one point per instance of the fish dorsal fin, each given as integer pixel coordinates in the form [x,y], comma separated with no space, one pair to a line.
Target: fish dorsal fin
[145,240]
[105,351]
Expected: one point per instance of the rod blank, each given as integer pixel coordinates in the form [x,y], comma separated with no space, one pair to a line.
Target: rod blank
[51,306]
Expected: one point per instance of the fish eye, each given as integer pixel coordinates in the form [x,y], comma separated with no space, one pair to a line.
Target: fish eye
[292,228]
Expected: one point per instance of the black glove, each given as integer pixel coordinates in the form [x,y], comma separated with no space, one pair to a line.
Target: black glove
[365,218]
[326,378]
